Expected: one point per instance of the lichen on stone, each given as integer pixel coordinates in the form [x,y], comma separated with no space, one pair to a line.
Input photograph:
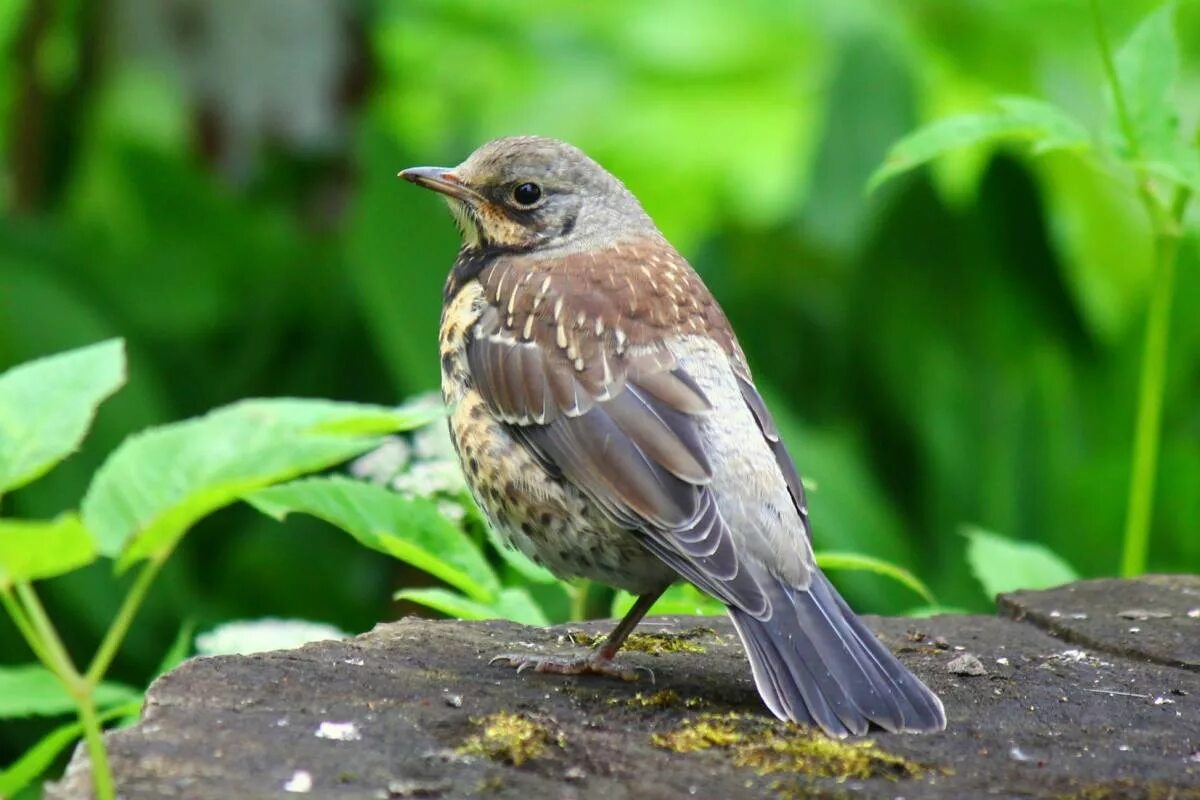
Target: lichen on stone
[768,747]
[653,643]
[510,738]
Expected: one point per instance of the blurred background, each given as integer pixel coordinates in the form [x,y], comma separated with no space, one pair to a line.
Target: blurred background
[215,182]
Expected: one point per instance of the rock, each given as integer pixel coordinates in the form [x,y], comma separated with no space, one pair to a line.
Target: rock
[967,665]
[1073,708]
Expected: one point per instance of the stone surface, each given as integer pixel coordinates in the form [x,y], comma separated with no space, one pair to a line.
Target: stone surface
[1069,707]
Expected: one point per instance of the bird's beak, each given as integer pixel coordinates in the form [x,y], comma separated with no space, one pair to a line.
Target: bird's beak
[441,180]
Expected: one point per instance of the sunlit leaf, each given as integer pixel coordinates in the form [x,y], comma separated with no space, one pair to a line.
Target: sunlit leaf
[1005,565]
[243,637]
[39,758]
[680,599]
[47,406]
[1044,126]
[408,528]
[158,483]
[856,561]
[1147,67]
[28,690]
[511,603]
[34,549]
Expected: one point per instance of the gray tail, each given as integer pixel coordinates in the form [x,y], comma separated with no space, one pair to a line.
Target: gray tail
[815,662]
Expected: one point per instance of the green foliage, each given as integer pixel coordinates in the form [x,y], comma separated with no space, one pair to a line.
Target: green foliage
[30,689]
[829,561]
[46,407]
[157,484]
[512,603]
[33,550]
[960,345]
[1044,126]
[1005,565]
[410,529]
[151,490]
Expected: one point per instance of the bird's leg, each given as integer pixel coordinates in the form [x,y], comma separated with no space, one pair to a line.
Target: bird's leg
[600,661]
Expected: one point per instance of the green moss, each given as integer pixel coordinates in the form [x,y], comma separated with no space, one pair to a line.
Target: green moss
[510,738]
[653,643]
[769,747]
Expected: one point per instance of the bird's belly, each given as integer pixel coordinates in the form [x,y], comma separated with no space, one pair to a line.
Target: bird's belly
[544,517]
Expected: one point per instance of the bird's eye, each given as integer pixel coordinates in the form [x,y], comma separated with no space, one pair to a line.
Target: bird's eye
[526,194]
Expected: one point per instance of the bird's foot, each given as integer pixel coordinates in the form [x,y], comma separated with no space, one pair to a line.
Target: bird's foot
[594,664]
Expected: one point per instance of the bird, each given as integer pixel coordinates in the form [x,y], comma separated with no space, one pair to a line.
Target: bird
[609,427]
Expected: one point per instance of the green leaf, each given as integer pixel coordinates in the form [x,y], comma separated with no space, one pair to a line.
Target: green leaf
[407,528]
[47,406]
[1005,565]
[1044,126]
[37,759]
[512,603]
[680,599]
[160,482]
[247,636]
[28,690]
[180,649]
[855,561]
[1147,68]
[31,550]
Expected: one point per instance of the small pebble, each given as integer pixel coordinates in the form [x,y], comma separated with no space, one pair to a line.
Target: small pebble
[575,773]
[339,731]
[454,700]
[1194,613]
[1002,661]
[1135,630]
[966,664]
[300,782]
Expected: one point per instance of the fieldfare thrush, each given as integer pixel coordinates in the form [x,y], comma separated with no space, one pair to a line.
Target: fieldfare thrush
[609,427]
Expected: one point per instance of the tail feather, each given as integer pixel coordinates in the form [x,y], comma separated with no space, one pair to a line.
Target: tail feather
[814,661]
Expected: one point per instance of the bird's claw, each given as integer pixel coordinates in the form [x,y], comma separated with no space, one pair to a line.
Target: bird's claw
[586,665]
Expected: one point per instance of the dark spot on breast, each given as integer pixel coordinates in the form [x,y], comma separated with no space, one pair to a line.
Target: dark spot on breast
[544,518]
[526,529]
[510,488]
[477,411]
[473,465]
[447,362]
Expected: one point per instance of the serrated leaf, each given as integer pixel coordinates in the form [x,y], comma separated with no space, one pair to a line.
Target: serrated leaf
[37,759]
[29,690]
[511,603]
[31,550]
[410,529]
[1005,565]
[47,406]
[1147,68]
[856,561]
[1044,126]
[158,483]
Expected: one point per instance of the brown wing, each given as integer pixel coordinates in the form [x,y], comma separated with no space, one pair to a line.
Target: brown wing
[574,361]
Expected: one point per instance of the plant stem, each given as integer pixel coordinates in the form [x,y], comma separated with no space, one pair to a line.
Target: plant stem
[1114,81]
[93,734]
[1165,222]
[56,656]
[1151,388]
[120,624]
[21,620]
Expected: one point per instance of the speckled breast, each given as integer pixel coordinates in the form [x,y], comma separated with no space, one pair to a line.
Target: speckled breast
[544,517]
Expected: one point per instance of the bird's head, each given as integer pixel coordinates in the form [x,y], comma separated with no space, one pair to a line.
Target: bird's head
[529,192]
